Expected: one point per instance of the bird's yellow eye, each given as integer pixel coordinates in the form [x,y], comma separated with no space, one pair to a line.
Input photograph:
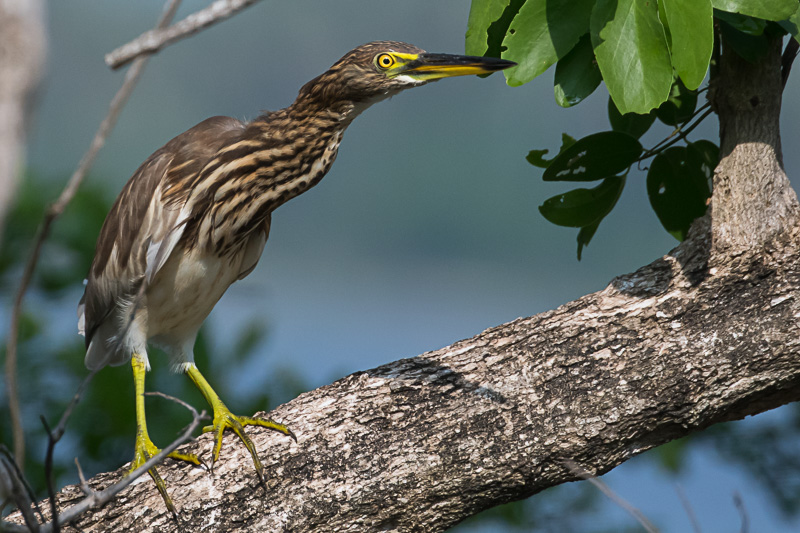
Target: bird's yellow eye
[384,60]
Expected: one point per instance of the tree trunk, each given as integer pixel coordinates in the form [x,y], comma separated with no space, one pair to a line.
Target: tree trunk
[22,50]
[706,334]
[753,201]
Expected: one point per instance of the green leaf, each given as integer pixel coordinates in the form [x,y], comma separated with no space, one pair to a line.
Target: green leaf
[750,47]
[577,75]
[679,107]
[536,157]
[704,155]
[763,9]
[585,235]
[662,16]
[672,455]
[542,33]
[691,27]
[633,124]
[743,23]
[792,25]
[583,207]
[678,186]
[632,53]
[594,157]
[482,14]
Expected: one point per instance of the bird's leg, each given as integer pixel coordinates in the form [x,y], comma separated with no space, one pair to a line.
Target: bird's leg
[223,419]
[145,449]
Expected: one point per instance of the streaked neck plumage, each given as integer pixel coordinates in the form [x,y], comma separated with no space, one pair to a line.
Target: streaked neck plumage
[278,156]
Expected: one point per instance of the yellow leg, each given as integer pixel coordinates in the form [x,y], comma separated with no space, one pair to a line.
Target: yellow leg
[223,419]
[145,449]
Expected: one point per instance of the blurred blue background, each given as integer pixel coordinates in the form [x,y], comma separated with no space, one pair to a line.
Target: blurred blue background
[426,230]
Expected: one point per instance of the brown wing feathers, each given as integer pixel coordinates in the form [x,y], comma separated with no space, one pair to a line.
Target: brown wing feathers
[136,220]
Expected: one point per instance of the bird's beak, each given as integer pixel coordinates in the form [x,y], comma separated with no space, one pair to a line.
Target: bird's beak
[427,67]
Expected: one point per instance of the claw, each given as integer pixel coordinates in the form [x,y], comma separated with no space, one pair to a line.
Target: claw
[145,449]
[224,419]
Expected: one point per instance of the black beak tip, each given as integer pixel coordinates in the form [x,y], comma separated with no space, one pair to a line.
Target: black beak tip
[502,64]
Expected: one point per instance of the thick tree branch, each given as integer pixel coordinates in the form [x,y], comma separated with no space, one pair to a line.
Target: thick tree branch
[422,443]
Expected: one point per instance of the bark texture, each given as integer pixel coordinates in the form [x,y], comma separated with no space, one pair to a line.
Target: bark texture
[422,443]
[753,200]
[706,334]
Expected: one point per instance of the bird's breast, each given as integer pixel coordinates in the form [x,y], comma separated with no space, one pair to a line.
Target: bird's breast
[185,290]
[245,201]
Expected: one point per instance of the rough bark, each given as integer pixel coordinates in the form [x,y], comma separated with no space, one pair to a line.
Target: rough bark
[706,334]
[753,201]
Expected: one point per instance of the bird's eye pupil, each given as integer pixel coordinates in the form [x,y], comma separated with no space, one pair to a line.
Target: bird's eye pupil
[385,60]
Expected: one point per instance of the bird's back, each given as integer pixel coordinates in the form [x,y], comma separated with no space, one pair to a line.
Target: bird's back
[139,226]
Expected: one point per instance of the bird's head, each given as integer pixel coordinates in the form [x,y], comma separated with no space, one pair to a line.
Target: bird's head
[380,69]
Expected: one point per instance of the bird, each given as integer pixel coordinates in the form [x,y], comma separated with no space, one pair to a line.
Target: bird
[195,216]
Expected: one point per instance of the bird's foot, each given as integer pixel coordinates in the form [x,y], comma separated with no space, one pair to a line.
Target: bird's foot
[145,449]
[224,419]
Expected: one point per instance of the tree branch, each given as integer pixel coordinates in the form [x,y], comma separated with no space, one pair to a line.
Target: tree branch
[154,40]
[95,499]
[53,212]
[422,443]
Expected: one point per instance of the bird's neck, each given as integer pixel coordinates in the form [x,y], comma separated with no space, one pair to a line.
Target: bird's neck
[304,139]
[280,156]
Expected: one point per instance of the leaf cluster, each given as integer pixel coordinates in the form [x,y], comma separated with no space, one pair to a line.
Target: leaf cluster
[653,57]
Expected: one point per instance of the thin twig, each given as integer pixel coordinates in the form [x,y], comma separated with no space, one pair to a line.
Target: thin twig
[154,40]
[172,399]
[689,510]
[52,439]
[681,132]
[663,145]
[739,503]
[53,212]
[97,499]
[582,473]
[87,490]
[48,475]
[14,487]
[62,423]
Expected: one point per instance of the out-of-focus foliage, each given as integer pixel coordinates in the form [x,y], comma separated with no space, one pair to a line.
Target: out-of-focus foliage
[562,508]
[101,430]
